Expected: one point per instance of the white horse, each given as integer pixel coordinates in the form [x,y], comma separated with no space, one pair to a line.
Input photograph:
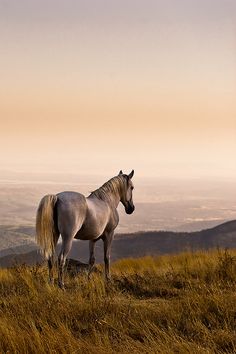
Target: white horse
[72,215]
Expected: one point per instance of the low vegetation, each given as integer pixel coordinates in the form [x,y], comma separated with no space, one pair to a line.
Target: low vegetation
[168,304]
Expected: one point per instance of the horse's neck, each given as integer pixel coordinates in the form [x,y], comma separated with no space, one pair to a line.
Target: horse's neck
[115,195]
[110,193]
[114,200]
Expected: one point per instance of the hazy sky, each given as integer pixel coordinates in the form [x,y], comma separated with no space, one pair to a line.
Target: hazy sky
[95,86]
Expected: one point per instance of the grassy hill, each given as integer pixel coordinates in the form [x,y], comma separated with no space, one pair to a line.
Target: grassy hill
[169,304]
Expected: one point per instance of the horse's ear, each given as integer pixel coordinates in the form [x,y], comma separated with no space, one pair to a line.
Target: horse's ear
[131,174]
[120,173]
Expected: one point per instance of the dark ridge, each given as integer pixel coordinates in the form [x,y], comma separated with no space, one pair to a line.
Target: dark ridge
[141,244]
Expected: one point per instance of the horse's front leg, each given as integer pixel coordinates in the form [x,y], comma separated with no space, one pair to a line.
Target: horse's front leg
[91,257]
[107,241]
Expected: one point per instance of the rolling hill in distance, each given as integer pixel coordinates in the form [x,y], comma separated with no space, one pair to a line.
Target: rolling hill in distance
[138,245]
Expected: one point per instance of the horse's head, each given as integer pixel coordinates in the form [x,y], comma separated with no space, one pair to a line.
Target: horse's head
[127,193]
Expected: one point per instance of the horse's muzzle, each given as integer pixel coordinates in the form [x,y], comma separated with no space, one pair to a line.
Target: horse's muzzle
[129,209]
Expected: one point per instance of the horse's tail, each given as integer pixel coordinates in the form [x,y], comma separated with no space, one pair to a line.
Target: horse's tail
[46,232]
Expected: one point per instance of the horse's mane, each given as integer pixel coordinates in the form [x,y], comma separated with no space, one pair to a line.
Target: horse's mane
[113,186]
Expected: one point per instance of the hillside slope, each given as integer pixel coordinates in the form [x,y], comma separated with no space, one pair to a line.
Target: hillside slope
[16,239]
[172,304]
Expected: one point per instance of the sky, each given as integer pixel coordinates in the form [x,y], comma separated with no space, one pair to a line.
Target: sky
[98,86]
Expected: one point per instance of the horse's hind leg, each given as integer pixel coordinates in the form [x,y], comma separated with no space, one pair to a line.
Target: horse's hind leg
[65,249]
[50,268]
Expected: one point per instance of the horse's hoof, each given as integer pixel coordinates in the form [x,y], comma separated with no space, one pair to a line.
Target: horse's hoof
[61,286]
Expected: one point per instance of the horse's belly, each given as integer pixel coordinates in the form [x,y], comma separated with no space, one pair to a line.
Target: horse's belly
[88,234]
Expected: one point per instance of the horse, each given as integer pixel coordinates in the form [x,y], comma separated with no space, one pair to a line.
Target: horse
[74,216]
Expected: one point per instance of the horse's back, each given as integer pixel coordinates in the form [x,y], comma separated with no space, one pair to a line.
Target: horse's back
[71,211]
[69,197]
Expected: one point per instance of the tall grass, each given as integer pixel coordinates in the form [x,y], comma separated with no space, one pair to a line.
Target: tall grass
[170,304]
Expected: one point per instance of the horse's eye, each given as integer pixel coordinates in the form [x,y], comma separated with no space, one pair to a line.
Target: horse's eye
[132,187]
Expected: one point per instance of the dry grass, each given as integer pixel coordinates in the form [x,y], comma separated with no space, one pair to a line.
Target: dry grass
[171,304]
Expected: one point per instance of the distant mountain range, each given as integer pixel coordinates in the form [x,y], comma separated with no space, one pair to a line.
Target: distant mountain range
[135,245]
